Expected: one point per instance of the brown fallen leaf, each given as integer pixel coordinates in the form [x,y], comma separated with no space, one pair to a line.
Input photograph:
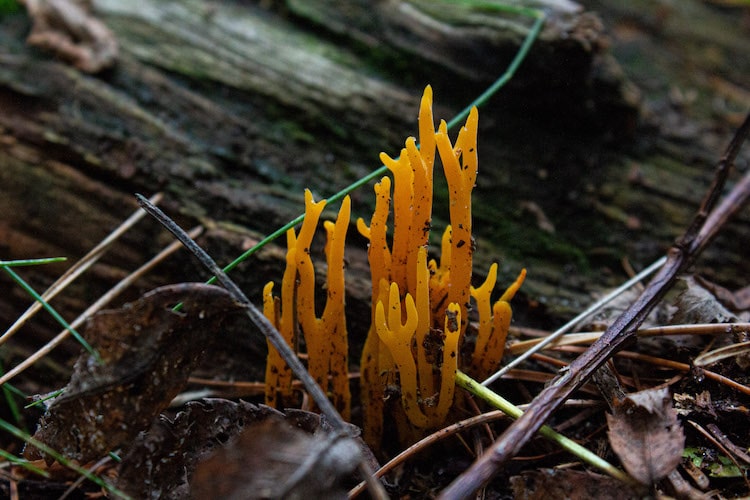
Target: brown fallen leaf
[273,459]
[646,435]
[68,29]
[148,351]
[697,304]
[161,461]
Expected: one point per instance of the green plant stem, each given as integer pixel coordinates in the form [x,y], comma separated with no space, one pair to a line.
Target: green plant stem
[10,428]
[31,262]
[52,311]
[567,444]
[505,77]
[23,463]
[8,391]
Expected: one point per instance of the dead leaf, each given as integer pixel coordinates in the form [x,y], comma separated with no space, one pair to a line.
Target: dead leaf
[646,435]
[161,461]
[566,483]
[737,301]
[697,305]
[68,29]
[147,350]
[273,459]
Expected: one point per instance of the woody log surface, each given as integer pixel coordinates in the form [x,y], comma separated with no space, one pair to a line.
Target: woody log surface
[600,147]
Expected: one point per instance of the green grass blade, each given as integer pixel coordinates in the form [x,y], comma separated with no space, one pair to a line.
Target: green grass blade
[8,393]
[31,262]
[21,462]
[10,428]
[567,444]
[28,288]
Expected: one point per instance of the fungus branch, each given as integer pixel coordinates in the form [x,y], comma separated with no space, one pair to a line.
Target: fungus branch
[420,308]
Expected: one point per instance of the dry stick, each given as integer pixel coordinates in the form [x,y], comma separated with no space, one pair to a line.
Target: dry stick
[655,331]
[575,321]
[102,301]
[701,231]
[268,331]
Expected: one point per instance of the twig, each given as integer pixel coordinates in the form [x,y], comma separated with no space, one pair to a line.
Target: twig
[77,269]
[266,328]
[573,322]
[655,331]
[701,231]
[96,306]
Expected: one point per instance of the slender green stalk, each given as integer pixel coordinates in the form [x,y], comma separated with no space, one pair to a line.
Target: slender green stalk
[505,77]
[567,444]
[21,462]
[28,288]
[10,428]
[8,392]
[41,401]
[31,262]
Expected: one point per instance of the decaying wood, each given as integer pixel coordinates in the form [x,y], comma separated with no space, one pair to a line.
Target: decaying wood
[232,109]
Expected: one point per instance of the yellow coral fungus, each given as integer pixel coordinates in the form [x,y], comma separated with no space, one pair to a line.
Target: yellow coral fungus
[325,336]
[420,308]
[494,322]
[281,314]
[417,344]
[397,338]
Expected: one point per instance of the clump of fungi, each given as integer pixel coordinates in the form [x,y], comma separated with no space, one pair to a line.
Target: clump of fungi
[419,307]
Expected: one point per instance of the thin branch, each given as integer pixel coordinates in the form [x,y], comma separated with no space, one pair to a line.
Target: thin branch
[102,301]
[266,328]
[703,228]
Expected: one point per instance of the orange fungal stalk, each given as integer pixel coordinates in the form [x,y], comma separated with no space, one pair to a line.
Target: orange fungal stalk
[420,308]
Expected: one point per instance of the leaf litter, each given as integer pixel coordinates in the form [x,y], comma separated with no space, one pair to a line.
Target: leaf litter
[646,435]
[147,351]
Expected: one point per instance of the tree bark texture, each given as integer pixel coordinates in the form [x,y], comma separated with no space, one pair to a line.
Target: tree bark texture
[233,108]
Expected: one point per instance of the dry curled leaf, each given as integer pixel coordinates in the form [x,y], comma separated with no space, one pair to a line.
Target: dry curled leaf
[697,304]
[161,461]
[67,28]
[147,351]
[272,459]
[646,435]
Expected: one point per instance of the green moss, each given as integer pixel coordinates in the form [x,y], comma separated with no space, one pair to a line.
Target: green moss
[9,7]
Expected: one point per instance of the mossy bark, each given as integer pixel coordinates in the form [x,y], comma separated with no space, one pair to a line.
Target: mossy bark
[232,109]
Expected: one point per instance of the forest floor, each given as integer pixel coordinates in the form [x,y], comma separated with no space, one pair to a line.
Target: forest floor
[674,417]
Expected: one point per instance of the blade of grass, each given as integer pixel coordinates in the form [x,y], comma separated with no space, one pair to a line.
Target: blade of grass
[96,306]
[31,262]
[77,269]
[8,393]
[548,432]
[28,288]
[15,431]
[22,462]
